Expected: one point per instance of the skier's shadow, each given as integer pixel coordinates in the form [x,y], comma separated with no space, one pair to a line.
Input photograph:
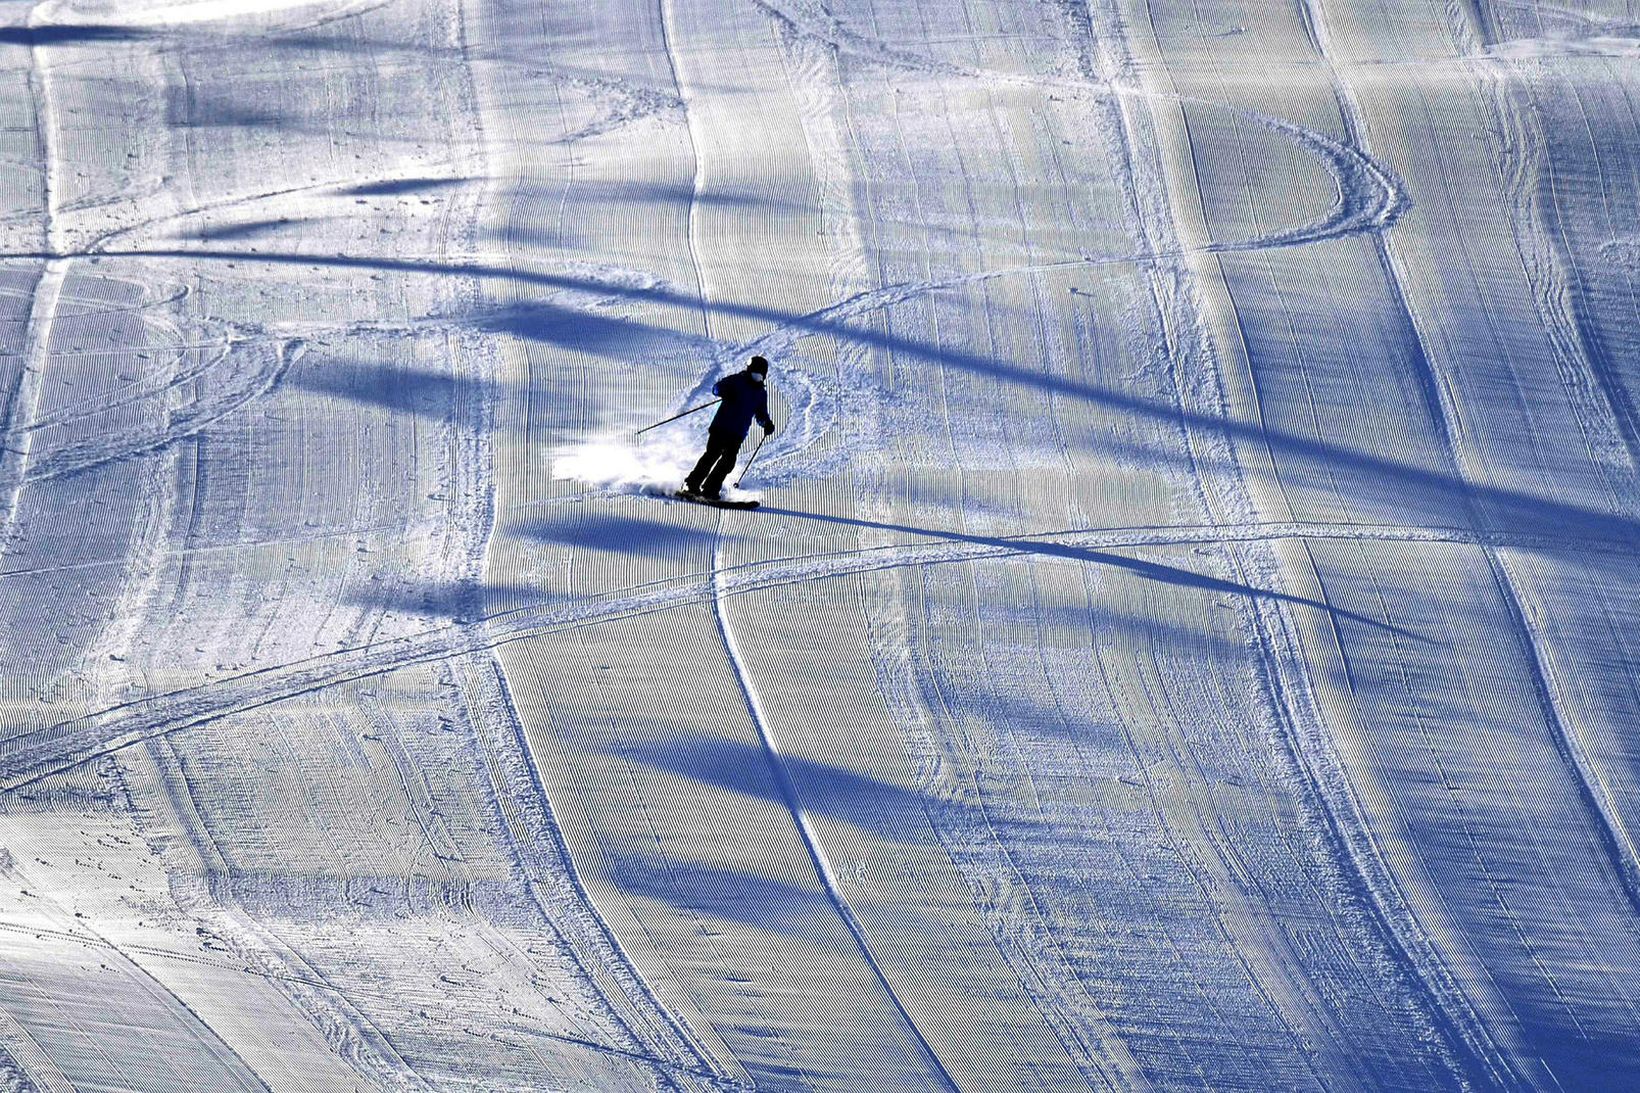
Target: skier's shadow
[1155,571]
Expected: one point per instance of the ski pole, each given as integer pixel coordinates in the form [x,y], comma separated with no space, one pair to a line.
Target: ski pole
[755,450]
[675,417]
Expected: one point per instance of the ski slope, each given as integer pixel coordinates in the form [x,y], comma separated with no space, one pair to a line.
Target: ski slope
[1189,637]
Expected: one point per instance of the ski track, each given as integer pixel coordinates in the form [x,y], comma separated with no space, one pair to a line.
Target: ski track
[16,444]
[25,1064]
[1204,399]
[29,757]
[834,33]
[38,1064]
[629,105]
[1596,398]
[1208,398]
[269,362]
[823,866]
[258,362]
[1370,200]
[539,844]
[170,1012]
[15,471]
[1464,1032]
[1460,453]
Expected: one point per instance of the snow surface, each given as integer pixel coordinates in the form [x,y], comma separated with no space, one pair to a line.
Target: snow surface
[1191,637]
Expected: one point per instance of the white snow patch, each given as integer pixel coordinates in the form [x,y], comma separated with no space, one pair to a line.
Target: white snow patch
[612,462]
[1552,46]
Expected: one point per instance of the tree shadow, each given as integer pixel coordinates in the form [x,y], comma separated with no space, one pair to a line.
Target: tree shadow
[623,534]
[777,906]
[206,108]
[434,394]
[251,229]
[1458,794]
[396,387]
[1101,624]
[396,186]
[574,328]
[185,109]
[458,602]
[654,193]
[71,33]
[1030,717]
[882,808]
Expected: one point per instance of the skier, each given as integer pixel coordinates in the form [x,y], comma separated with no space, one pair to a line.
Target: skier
[744,399]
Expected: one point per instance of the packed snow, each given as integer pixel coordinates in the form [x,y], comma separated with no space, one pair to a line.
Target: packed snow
[1190,638]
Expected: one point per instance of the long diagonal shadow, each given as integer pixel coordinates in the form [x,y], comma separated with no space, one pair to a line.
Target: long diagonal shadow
[1504,509]
[1155,571]
[71,33]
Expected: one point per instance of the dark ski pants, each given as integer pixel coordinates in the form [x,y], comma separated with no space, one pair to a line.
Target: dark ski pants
[722,451]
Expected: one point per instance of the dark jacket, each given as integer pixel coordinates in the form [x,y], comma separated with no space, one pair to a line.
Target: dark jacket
[743,399]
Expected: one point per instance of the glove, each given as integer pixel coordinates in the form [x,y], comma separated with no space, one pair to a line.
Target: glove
[768,430]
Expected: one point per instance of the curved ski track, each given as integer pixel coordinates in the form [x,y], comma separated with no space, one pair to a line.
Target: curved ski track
[240,388]
[1370,196]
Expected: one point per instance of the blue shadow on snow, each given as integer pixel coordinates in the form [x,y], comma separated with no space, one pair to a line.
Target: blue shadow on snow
[572,328]
[701,888]
[397,387]
[396,186]
[622,534]
[458,602]
[70,33]
[862,800]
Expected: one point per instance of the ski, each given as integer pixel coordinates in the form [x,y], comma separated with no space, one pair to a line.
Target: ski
[717,504]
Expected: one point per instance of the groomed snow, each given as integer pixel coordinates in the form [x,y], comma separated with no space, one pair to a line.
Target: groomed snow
[1190,638]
